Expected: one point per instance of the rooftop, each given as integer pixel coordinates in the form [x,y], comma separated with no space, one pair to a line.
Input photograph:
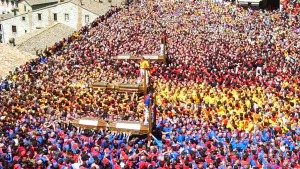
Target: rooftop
[40,39]
[6,16]
[11,57]
[39,2]
[95,6]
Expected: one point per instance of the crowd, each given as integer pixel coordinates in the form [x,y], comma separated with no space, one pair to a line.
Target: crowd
[291,6]
[228,96]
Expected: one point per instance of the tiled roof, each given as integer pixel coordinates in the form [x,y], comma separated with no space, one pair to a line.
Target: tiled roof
[38,2]
[95,6]
[6,16]
[10,58]
[39,39]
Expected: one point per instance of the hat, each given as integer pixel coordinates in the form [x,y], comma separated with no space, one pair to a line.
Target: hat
[55,164]
[16,158]
[39,162]
[94,165]
[23,153]
[105,161]
[17,166]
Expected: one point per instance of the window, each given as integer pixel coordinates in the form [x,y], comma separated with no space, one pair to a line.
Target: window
[55,16]
[66,17]
[39,16]
[14,29]
[25,31]
[23,18]
[87,18]
[0,27]
[24,8]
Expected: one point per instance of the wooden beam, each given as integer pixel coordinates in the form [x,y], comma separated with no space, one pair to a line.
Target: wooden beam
[151,57]
[157,58]
[121,126]
[130,88]
[89,123]
[129,127]
[125,57]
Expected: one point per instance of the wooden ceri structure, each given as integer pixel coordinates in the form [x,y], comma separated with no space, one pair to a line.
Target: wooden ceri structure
[132,127]
[123,126]
[150,57]
[119,87]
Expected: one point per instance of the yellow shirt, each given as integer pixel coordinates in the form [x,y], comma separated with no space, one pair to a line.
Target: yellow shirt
[248,104]
[250,127]
[240,124]
[277,46]
[206,99]
[229,125]
[144,64]
[195,97]
[221,111]
[260,102]
[212,100]
[285,84]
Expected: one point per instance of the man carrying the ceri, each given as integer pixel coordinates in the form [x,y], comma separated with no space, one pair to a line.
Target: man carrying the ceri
[144,69]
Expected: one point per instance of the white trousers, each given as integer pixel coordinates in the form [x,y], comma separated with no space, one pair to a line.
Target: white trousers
[144,74]
[259,70]
[146,116]
[162,46]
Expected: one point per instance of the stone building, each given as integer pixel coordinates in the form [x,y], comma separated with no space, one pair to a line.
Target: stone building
[8,6]
[38,14]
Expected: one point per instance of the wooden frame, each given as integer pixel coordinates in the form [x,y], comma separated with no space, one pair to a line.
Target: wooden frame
[89,123]
[121,126]
[125,57]
[142,129]
[151,57]
[155,58]
[129,127]
[119,87]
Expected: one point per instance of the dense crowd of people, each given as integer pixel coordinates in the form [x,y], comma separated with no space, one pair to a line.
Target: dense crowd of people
[227,97]
[291,6]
